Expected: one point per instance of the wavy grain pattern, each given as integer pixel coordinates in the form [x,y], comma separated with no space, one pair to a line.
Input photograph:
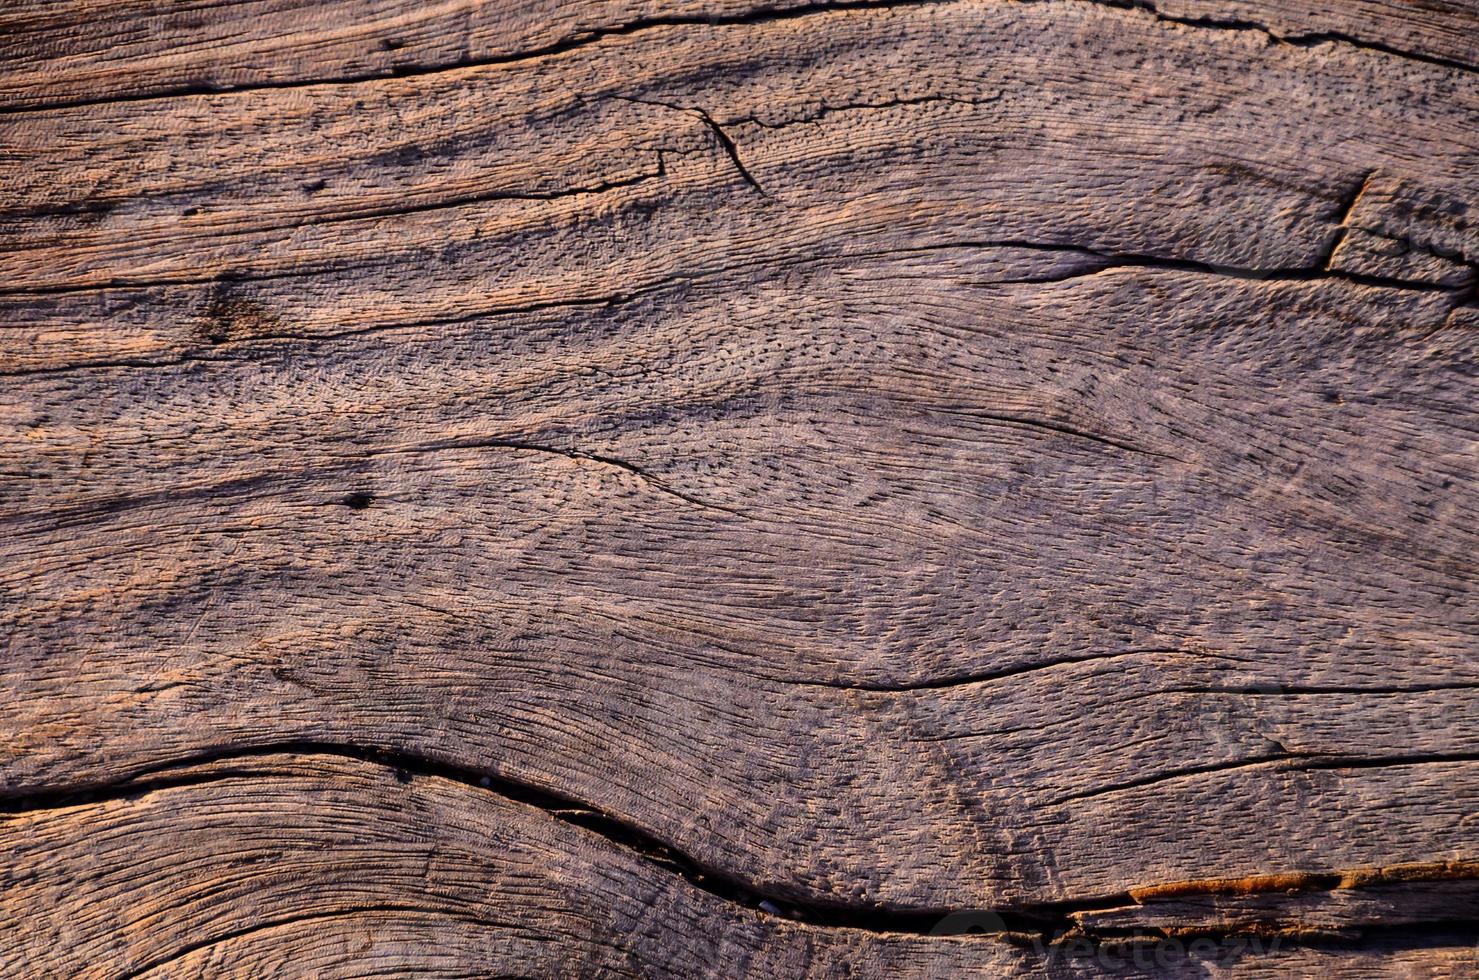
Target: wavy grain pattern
[614,488]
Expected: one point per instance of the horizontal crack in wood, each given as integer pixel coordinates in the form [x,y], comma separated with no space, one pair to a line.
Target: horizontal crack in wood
[1112,262]
[985,677]
[1285,761]
[55,519]
[763,14]
[1296,881]
[575,454]
[1305,40]
[827,110]
[759,15]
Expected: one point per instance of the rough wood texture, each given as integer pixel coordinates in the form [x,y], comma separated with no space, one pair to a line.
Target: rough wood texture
[633,488]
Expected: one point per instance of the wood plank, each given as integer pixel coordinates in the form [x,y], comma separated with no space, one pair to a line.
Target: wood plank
[1442,31]
[467,882]
[707,581]
[885,461]
[301,181]
[66,52]
[1411,896]
[470,881]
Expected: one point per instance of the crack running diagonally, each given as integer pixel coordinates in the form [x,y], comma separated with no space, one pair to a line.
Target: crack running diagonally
[58,518]
[576,454]
[1048,921]
[725,141]
[237,763]
[1342,219]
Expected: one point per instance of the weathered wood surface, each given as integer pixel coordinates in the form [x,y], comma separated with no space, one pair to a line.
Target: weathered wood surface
[630,488]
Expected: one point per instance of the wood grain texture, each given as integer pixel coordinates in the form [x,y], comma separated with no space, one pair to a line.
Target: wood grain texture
[60,52]
[612,488]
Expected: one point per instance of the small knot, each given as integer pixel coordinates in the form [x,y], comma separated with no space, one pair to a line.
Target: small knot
[359,500]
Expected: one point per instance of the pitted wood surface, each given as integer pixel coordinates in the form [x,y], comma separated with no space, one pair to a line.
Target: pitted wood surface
[622,488]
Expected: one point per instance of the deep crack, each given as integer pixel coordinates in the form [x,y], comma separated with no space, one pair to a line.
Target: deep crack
[1036,924]
[725,141]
